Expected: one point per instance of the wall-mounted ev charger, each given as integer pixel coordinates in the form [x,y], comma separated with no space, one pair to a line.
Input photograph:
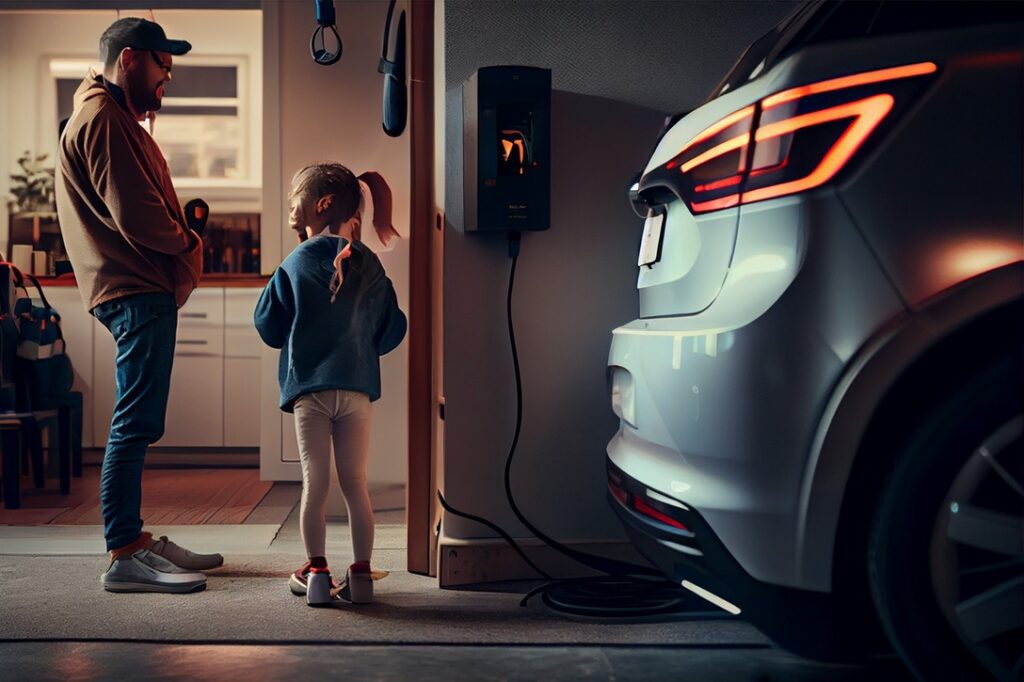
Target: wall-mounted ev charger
[507,149]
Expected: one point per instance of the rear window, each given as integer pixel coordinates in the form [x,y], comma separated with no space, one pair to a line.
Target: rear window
[826,22]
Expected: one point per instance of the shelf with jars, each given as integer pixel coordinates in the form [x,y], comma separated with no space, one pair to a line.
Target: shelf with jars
[35,245]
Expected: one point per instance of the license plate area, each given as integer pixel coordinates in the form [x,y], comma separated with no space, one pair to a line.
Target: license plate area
[650,242]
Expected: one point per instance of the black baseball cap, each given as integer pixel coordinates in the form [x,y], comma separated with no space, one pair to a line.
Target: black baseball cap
[138,34]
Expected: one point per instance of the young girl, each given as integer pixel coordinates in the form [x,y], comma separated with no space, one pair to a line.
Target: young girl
[332,311]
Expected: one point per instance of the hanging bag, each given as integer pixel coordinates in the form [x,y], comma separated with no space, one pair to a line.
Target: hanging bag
[42,364]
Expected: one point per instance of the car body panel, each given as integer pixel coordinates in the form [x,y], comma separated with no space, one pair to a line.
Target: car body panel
[730,457]
[863,386]
[933,230]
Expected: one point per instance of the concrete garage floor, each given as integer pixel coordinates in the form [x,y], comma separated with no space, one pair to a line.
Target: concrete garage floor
[56,623]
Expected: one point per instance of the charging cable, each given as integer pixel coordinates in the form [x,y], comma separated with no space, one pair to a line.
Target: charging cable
[626,590]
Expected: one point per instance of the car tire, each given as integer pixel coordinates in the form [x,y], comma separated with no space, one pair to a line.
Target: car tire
[904,565]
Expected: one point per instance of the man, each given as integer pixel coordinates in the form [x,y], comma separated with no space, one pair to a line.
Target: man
[136,262]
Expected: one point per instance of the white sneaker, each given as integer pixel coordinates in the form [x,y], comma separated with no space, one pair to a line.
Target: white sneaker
[318,587]
[183,558]
[358,584]
[145,571]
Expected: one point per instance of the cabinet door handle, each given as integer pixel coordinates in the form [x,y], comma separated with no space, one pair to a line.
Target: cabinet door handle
[200,316]
[192,342]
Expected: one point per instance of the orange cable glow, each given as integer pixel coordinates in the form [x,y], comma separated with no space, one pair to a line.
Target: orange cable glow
[868,112]
[893,73]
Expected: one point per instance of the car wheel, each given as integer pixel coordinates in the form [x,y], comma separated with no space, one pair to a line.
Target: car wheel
[946,551]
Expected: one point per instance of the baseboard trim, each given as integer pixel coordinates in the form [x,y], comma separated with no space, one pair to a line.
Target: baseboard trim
[470,562]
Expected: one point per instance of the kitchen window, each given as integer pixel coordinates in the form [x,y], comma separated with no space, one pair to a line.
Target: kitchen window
[205,127]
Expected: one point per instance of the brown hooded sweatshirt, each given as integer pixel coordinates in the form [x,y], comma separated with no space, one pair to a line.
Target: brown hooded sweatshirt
[123,227]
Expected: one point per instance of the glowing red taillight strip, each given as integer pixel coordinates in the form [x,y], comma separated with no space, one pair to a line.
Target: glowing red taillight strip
[648,510]
[716,151]
[719,184]
[919,69]
[868,112]
[718,127]
[710,131]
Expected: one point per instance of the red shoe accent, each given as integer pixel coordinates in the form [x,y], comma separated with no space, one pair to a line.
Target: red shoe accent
[132,547]
[360,567]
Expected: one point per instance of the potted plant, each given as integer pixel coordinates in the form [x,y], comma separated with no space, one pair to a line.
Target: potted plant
[33,187]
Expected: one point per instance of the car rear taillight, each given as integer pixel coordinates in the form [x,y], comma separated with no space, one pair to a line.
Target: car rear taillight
[786,143]
[659,516]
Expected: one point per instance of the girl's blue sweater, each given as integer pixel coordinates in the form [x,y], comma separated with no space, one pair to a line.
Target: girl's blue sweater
[327,345]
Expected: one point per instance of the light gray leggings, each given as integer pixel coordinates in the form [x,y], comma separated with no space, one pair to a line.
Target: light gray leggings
[344,418]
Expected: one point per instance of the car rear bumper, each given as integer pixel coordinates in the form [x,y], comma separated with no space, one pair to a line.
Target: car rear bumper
[798,620]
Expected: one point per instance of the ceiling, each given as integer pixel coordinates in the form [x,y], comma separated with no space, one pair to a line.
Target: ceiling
[662,54]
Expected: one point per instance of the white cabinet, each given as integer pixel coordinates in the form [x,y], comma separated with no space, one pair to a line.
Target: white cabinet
[242,348]
[195,402]
[214,396]
[77,327]
[195,406]
[241,402]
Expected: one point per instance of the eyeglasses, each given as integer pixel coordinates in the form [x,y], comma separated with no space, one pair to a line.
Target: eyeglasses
[156,58]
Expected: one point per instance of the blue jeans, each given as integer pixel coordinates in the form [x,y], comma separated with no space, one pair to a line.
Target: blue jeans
[144,328]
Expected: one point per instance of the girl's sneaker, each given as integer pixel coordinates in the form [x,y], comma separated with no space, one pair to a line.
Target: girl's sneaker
[299,580]
[318,587]
[358,584]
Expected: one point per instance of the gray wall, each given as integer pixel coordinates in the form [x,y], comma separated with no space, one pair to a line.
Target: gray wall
[662,54]
[574,284]
[617,66]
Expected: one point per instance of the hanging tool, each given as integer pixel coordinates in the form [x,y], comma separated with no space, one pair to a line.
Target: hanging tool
[395,97]
[325,21]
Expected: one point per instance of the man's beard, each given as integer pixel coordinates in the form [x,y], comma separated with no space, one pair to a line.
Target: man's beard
[144,99]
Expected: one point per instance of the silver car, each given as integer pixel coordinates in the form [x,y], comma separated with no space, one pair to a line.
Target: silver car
[821,403]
